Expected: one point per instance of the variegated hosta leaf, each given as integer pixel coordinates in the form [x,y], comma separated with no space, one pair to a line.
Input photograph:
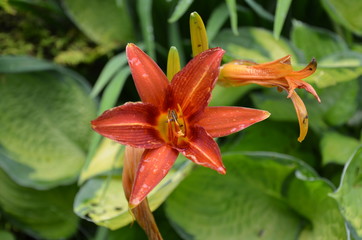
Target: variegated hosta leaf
[102,201]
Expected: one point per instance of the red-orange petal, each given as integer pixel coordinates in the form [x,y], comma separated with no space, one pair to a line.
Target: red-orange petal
[131,124]
[222,121]
[154,166]
[150,81]
[192,86]
[203,150]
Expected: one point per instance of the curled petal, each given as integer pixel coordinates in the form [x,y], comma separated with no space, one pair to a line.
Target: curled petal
[154,166]
[302,115]
[193,85]
[305,72]
[203,150]
[295,82]
[131,124]
[222,121]
[150,81]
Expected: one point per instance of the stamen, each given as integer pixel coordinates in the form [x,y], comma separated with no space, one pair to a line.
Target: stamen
[176,125]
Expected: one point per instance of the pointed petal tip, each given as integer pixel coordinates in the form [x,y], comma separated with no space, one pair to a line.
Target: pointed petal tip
[266,114]
[221,170]
[130,45]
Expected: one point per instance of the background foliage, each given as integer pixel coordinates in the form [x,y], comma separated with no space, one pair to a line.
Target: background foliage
[62,63]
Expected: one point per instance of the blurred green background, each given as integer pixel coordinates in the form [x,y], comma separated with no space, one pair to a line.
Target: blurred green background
[62,63]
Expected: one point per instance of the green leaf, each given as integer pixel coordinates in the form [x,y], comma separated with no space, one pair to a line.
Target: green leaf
[144,11]
[337,68]
[180,9]
[306,38]
[109,99]
[18,64]
[309,198]
[337,106]
[115,64]
[217,19]
[345,12]
[337,148]
[259,10]
[231,4]
[102,201]
[175,40]
[43,214]
[253,44]
[349,193]
[134,232]
[5,235]
[104,22]
[273,137]
[228,96]
[207,205]
[108,157]
[113,90]
[44,128]
[280,15]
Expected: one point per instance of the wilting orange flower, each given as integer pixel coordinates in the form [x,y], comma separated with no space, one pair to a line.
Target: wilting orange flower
[278,73]
[173,117]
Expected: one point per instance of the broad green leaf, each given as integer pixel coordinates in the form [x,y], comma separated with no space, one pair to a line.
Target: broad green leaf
[104,22]
[248,202]
[309,197]
[102,201]
[228,96]
[336,68]
[180,9]
[306,38]
[273,136]
[217,19]
[349,193]
[108,157]
[337,148]
[231,4]
[280,15]
[115,64]
[42,214]
[346,12]
[253,44]
[44,128]
[5,235]
[144,11]
[18,64]
[337,106]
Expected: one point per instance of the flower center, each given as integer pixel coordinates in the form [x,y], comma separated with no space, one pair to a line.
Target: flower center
[173,126]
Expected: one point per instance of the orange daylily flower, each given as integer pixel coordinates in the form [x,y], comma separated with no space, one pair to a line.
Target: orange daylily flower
[173,118]
[278,73]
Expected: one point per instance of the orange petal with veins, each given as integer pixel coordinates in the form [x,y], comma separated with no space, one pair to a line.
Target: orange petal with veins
[150,81]
[131,124]
[222,121]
